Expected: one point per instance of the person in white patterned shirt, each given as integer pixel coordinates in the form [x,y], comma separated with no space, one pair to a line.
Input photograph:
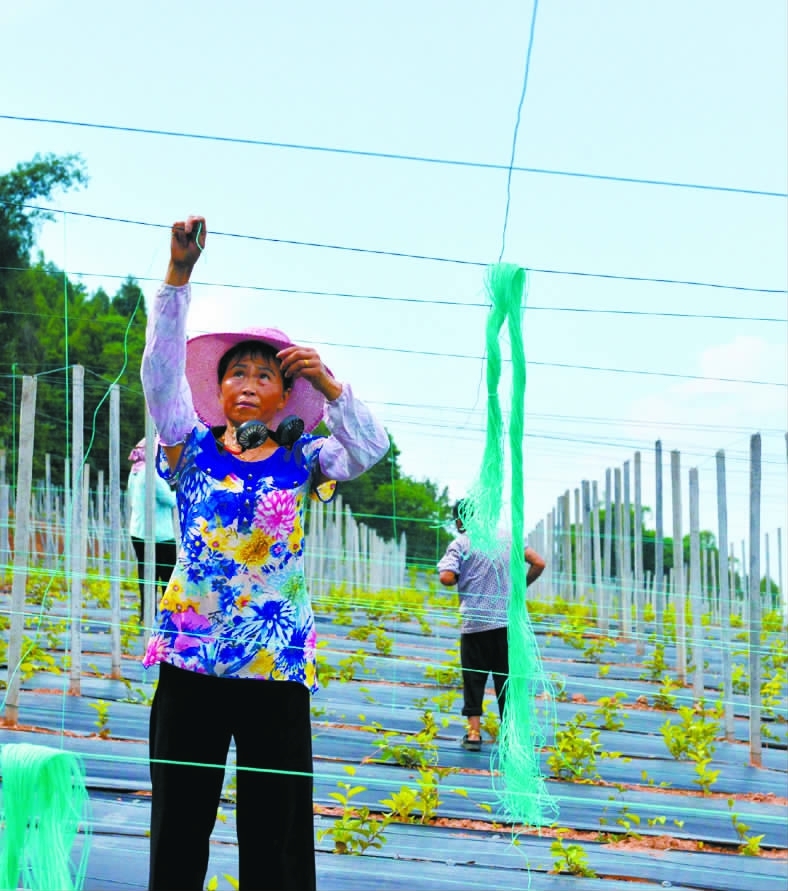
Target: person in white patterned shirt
[482,582]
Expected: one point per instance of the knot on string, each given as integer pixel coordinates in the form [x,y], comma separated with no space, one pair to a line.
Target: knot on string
[44,805]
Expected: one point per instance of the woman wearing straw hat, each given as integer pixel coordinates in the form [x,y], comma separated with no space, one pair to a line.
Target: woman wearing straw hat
[236,638]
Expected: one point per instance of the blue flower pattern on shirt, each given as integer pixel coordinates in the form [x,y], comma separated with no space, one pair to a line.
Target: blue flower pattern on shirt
[237,604]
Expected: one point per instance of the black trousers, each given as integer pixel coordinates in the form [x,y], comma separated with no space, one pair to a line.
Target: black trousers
[166,554]
[193,718]
[483,653]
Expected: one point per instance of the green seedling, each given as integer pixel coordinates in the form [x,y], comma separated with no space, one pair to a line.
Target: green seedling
[571,859]
[574,755]
[415,750]
[665,698]
[609,714]
[749,845]
[694,739]
[102,719]
[655,665]
[355,830]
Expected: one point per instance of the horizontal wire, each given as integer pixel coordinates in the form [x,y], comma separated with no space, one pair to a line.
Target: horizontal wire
[479,410]
[412,300]
[567,365]
[99,383]
[543,364]
[428,301]
[593,419]
[396,156]
[436,430]
[96,383]
[409,256]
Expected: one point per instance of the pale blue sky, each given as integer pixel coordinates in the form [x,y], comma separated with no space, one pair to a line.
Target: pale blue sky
[693,92]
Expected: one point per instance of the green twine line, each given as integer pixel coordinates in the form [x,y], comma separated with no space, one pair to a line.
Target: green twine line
[523,733]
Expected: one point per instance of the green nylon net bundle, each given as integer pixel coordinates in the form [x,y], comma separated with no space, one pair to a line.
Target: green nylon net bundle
[529,717]
[44,805]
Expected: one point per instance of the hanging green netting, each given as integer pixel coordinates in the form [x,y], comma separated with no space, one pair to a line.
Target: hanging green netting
[529,712]
[44,805]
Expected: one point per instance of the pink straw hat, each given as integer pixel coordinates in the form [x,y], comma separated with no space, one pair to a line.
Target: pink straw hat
[202,362]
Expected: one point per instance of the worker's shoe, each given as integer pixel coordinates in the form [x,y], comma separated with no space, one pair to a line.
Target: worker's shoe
[470,744]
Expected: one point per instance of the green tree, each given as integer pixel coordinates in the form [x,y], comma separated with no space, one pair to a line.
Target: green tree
[28,182]
[128,298]
[392,503]
[106,343]
[48,324]
[22,308]
[421,511]
[20,216]
[362,494]
[708,542]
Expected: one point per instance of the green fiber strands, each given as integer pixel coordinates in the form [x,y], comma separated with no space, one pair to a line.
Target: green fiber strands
[529,710]
[44,805]
[482,508]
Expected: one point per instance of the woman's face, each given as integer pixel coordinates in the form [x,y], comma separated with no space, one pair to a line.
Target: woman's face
[252,389]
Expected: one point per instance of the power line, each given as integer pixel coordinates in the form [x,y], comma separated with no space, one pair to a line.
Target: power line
[635,443]
[567,365]
[662,315]
[408,256]
[659,281]
[394,156]
[557,435]
[416,300]
[567,444]
[588,419]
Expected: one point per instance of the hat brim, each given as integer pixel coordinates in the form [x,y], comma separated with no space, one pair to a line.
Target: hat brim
[202,362]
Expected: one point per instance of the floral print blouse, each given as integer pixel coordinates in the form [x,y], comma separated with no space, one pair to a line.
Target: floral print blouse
[237,603]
